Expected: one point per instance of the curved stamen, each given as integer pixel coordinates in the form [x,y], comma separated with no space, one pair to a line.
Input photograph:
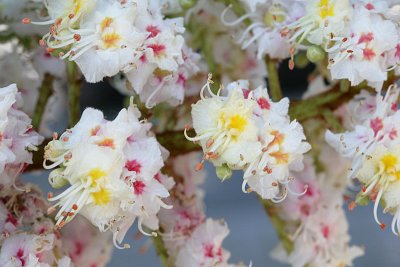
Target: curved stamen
[197,137]
[163,204]
[237,21]
[377,200]
[396,223]
[253,39]
[244,184]
[277,200]
[140,227]
[115,241]
[158,88]
[297,194]
[71,190]
[247,31]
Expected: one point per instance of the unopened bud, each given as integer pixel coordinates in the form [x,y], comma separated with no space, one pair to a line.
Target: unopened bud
[56,178]
[315,53]
[223,172]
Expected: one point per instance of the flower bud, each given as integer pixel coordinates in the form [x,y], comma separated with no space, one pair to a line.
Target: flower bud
[301,61]
[223,172]
[56,178]
[315,53]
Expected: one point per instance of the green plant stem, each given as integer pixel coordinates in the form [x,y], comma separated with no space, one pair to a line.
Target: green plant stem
[273,79]
[279,224]
[45,91]
[161,251]
[332,121]
[74,92]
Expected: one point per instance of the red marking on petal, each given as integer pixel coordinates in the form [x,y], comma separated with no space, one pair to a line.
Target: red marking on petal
[263,103]
[138,187]
[133,166]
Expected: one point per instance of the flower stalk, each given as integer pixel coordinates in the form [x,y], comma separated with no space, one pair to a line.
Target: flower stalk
[45,91]
[273,79]
[74,92]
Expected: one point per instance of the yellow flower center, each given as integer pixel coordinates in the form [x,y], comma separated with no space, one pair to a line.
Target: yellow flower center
[325,9]
[77,4]
[237,122]
[110,39]
[101,197]
[389,162]
[96,174]
[106,22]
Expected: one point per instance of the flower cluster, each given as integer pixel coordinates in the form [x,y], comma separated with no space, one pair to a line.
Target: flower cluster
[371,142]
[316,220]
[28,236]
[268,18]
[113,172]
[17,138]
[245,130]
[361,38]
[190,238]
[133,37]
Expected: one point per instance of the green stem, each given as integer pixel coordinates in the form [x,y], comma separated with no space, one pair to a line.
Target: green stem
[273,79]
[332,121]
[279,224]
[161,250]
[45,92]
[74,92]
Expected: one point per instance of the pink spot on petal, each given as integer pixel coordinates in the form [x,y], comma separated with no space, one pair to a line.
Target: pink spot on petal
[158,49]
[153,30]
[369,6]
[208,250]
[376,125]
[393,134]
[366,38]
[133,166]
[138,187]
[263,103]
[397,54]
[368,54]
[246,93]
[325,231]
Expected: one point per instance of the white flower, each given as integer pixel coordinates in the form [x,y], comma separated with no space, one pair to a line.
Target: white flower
[283,149]
[85,245]
[204,246]
[324,240]
[246,130]
[283,145]
[360,54]
[187,214]
[17,139]
[25,249]
[225,127]
[112,168]
[379,175]
[381,127]
[268,19]
[8,222]
[323,19]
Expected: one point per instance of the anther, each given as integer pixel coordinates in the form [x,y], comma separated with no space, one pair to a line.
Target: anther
[77,37]
[26,20]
